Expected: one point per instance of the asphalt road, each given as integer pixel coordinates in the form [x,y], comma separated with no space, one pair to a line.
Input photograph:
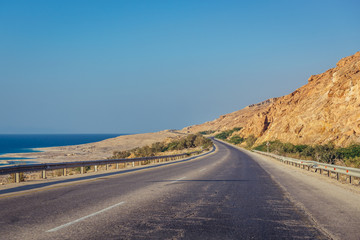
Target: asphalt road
[224,195]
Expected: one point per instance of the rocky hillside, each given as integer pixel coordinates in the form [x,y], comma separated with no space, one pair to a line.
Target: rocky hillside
[326,109]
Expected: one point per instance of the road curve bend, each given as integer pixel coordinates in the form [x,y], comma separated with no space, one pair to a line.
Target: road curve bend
[224,195]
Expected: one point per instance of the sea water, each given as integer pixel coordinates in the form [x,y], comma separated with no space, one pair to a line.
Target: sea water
[21,143]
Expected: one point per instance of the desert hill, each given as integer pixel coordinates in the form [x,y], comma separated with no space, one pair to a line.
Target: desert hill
[326,109]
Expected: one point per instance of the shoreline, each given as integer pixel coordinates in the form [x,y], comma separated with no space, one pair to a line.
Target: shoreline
[30,143]
[95,150]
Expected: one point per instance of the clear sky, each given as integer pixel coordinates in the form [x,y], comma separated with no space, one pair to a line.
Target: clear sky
[142,66]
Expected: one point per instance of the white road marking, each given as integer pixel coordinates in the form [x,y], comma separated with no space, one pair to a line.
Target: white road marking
[202,169]
[178,180]
[83,218]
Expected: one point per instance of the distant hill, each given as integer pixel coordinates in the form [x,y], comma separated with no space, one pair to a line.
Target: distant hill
[326,109]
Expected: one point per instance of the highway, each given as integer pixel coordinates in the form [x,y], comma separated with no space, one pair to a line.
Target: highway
[223,195]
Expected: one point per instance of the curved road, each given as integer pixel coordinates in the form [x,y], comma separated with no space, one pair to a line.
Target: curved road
[223,195]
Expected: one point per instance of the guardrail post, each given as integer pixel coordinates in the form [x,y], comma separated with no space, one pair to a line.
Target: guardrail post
[43,175]
[107,167]
[95,168]
[82,170]
[328,173]
[17,177]
[117,165]
[337,176]
[133,164]
[349,179]
[320,171]
[64,171]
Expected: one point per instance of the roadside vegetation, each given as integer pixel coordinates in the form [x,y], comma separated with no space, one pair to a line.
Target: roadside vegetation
[192,142]
[327,153]
[236,139]
[208,132]
[226,134]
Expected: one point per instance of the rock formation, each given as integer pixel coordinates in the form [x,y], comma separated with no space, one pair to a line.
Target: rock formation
[326,109]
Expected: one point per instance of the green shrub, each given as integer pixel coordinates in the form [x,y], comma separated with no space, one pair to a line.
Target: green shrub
[308,151]
[300,148]
[262,147]
[222,135]
[120,154]
[206,132]
[250,140]
[225,134]
[326,153]
[159,147]
[352,151]
[288,148]
[188,142]
[236,140]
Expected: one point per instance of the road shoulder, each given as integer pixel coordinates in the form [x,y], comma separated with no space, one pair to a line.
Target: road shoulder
[332,205]
[16,189]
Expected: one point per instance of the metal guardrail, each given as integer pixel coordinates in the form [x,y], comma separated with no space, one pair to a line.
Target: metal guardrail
[329,168]
[43,167]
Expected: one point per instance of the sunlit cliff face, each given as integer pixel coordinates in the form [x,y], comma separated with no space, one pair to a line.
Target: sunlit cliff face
[326,109]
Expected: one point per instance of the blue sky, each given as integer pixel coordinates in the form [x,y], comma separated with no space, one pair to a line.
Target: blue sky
[142,66]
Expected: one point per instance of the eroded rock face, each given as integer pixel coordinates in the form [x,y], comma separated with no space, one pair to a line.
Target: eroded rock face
[326,109]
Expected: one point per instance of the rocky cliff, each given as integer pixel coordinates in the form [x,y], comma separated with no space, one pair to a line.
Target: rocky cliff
[326,109]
